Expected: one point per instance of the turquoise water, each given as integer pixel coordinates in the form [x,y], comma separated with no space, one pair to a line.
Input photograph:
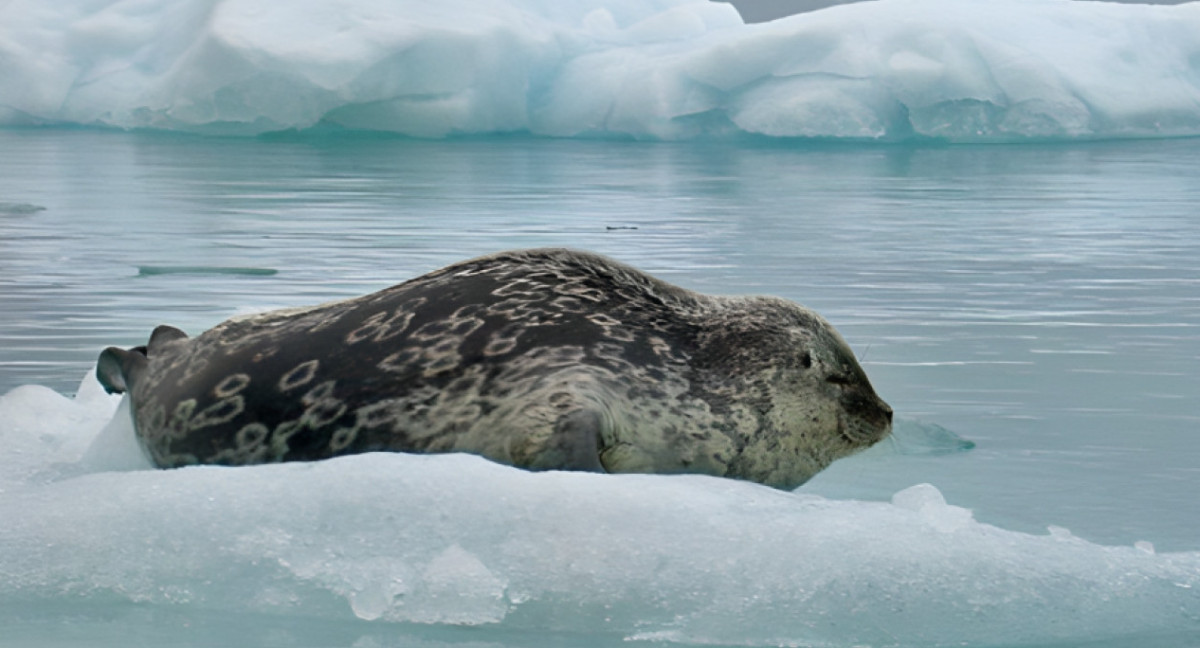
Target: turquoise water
[1042,301]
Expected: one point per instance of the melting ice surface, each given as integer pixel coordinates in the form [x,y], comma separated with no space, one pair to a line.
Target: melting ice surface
[420,545]
[959,70]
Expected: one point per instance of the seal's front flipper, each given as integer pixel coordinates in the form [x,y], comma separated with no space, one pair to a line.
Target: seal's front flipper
[117,369]
[574,445]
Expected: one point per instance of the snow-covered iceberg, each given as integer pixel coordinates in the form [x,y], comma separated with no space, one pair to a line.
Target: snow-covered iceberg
[958,70]
[94,541]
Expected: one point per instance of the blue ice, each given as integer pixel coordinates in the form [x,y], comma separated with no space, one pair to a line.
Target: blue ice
[411,541]
[956,70]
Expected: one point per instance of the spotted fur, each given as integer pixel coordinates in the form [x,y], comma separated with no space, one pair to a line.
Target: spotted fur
[543,359]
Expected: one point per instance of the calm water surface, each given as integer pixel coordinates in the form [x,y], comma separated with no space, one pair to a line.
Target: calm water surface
[1041,300]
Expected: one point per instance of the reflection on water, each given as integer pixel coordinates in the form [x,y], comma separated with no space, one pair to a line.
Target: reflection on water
[1043,301]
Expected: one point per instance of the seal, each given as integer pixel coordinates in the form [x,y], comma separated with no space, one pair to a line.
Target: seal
[541,359]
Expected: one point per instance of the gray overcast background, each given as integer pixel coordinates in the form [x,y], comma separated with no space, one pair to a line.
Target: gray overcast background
[763,10]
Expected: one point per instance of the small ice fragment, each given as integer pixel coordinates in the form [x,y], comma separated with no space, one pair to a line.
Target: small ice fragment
[1060,533]
[916,498]
[928,501]
[1144,547]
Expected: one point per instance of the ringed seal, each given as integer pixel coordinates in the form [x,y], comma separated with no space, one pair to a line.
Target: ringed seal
[542,359]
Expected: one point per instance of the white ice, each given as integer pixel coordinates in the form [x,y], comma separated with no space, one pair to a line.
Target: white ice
[958,70]
[441,541]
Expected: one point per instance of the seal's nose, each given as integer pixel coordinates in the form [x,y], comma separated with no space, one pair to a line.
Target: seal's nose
[887,411]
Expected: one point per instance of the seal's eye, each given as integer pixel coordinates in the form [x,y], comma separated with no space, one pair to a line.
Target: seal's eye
[805,360]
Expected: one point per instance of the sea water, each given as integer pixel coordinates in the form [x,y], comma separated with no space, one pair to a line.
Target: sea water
[1039,302]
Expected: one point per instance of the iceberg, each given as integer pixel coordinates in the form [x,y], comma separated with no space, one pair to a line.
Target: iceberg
[949,70]
[392,549]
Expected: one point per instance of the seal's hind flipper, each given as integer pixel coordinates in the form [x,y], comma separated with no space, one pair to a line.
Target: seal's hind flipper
[117,369]
[164,334]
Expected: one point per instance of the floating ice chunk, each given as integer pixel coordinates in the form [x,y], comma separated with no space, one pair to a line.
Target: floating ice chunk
[456,540]
[891,69]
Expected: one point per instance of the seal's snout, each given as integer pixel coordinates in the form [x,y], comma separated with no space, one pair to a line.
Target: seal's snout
[864,403]
[881,414]
[885,426]
[870,418]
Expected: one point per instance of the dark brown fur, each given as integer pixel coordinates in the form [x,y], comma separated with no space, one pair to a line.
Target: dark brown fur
[543,359]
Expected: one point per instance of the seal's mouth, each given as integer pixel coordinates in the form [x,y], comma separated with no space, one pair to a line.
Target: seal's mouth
[867,419]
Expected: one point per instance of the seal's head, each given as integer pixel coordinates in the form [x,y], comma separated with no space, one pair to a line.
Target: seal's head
[804,400]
